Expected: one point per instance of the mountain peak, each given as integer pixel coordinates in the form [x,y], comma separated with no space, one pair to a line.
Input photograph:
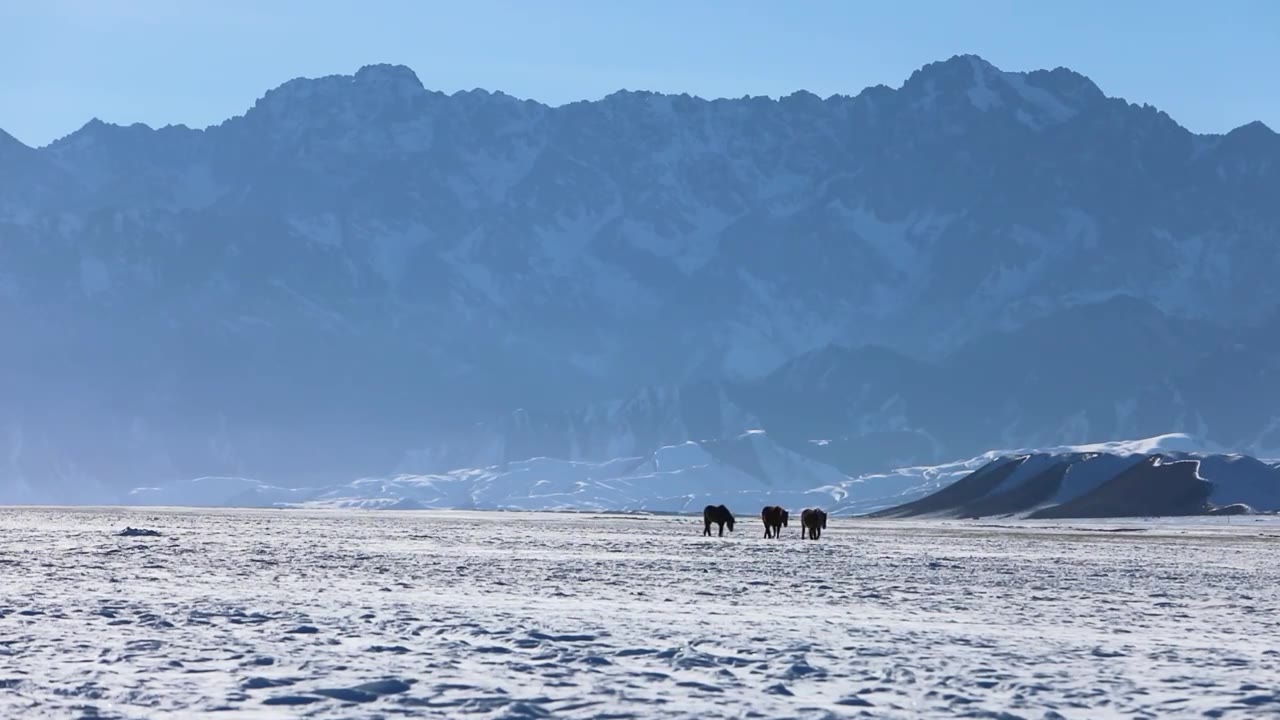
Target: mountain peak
[1066,84]
[958,71]
[374,90]
[395,78]
[99,133]
[1256,130]
[1251,148]
[1036,99]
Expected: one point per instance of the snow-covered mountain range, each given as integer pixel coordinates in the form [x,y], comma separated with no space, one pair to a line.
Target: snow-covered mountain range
[1170,474]
[361,277]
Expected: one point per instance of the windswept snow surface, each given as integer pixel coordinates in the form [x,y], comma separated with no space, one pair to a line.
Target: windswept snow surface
[270,614]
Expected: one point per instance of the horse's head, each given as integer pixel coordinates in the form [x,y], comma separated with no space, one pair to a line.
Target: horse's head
[785,515]
[728,520]
[824,519]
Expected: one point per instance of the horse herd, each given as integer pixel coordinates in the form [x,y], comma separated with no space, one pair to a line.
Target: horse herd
[812,520]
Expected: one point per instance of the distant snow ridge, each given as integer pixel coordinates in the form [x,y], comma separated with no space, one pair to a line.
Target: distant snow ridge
[1168,475]
[675,478]
[1164,475]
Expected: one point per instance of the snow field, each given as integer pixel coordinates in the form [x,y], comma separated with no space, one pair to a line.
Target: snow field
[261,613]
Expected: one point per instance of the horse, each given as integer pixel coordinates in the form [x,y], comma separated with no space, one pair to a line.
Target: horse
[774,518]
[812,521]
[719,515]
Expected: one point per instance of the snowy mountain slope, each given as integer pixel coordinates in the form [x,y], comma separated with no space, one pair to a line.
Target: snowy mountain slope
[360,276]
[1163,476]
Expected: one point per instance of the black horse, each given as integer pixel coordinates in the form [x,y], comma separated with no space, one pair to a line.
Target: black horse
[774,518]
[719,515]
[812,522]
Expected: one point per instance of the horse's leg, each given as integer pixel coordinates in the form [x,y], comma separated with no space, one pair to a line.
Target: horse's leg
[721,529]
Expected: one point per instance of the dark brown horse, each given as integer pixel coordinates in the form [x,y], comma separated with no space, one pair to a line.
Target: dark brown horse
[812,521]
[719,515]
[774,518]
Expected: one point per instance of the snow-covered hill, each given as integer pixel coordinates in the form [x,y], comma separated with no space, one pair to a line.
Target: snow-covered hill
[1163,476]
[360,276]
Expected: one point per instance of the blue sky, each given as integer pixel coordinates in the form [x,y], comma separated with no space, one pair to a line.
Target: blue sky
[1211,66]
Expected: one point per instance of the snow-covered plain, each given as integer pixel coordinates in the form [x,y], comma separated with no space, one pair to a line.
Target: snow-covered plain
[260,613]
